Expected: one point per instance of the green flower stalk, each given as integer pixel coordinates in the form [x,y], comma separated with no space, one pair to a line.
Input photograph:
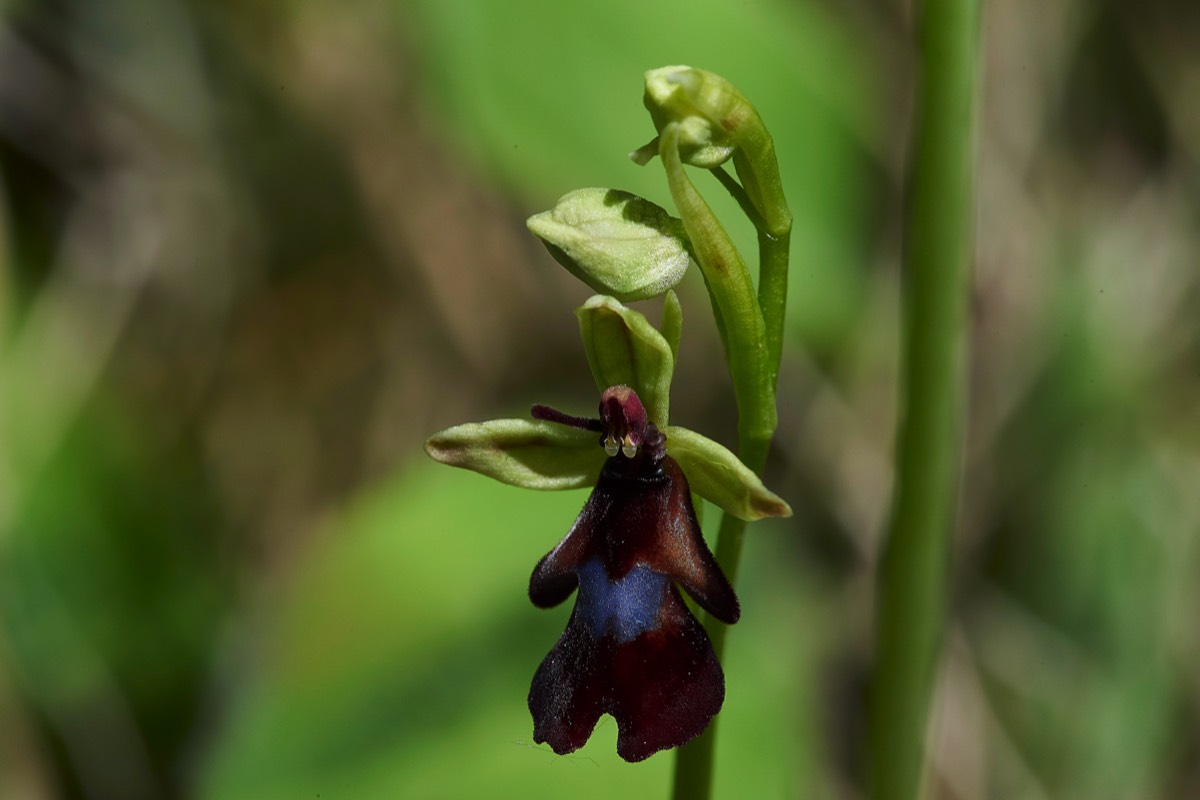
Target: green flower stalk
[732,291]
[703,121]
[717,123]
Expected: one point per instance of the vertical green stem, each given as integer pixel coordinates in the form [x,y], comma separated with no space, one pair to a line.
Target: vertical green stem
[774,245]
[774,251]
[732,291]
[751,329]
[694,761]
[914,564]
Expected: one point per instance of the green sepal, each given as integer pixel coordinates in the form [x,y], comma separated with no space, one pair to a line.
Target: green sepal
[615,242]
[717,475]
[529,453]
[623,348]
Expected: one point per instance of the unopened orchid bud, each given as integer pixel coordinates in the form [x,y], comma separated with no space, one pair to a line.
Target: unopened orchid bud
[615,242]
[707,108]
[715,123]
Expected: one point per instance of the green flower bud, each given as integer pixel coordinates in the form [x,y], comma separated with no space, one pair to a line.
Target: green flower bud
[533,454]
[707,108]
[718,476]
[623,348]
[716,122]
[615,242]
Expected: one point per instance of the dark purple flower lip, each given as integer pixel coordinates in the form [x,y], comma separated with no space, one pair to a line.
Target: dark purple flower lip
[631,648]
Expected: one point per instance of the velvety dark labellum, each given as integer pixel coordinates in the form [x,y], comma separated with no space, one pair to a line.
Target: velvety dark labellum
[631,648]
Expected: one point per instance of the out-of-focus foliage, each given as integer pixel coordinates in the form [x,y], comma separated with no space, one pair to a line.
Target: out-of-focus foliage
[251,255]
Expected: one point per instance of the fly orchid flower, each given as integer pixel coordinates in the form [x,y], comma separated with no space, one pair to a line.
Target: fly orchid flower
[631,647]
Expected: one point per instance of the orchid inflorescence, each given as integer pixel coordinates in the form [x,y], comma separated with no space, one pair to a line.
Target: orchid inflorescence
[632,648]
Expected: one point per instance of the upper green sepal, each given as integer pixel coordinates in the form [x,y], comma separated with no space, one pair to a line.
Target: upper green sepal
[529,453]
[615,242]
[624,349]
[718,476]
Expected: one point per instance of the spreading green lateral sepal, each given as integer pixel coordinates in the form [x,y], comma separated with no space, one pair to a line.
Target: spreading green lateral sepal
[529,453]
[718,476]
[615,242]
[623,348]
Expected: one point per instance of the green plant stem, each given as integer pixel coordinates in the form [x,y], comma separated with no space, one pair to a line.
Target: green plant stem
[913,568]
[739,194]
[759,172]
[774,245]
[694,760]
[774,251]
[754,344]
[740,319]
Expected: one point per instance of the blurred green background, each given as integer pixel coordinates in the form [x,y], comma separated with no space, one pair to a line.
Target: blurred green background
[251,254]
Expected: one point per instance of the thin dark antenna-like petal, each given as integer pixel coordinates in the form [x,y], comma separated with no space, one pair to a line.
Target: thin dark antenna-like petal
[549,414]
